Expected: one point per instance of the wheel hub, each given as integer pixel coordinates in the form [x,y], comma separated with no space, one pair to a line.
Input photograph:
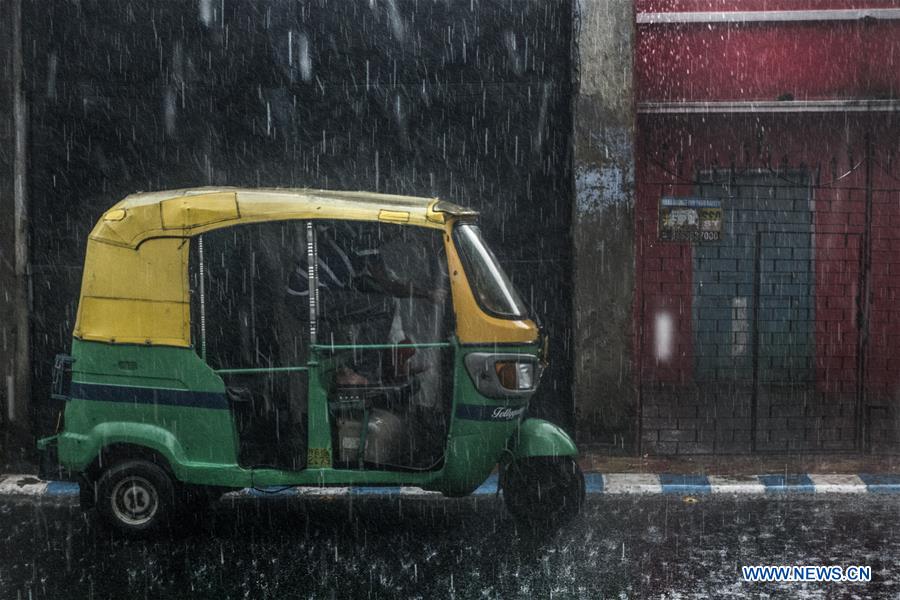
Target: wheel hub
[135,500]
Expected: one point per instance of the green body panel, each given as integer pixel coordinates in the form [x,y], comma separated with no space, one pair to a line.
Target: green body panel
[536,437]
[173,433]
[474,447]
[201,444]
[150,366]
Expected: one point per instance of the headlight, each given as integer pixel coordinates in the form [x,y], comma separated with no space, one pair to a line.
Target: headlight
[517,376]
[526,375]
[504,375]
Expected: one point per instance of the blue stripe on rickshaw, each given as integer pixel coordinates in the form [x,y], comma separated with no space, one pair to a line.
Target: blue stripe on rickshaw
[147,395]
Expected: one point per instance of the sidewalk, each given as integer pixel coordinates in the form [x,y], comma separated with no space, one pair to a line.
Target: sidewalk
[605,474]
[595,460]
[14,485]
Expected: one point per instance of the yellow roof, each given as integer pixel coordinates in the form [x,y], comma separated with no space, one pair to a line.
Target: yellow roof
[188,212]
[135,281]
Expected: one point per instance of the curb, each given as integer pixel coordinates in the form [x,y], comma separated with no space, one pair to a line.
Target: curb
[595,484]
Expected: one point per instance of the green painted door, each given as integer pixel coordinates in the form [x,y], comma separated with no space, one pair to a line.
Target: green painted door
[754,291]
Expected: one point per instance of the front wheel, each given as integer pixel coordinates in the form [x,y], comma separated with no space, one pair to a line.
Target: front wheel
[543,491]
[135,497]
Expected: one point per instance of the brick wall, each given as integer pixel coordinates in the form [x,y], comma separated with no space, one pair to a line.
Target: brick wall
[882,390]
[696,419]
[786,274]
[823,372]
[716,418]
[666,282]
[758,277]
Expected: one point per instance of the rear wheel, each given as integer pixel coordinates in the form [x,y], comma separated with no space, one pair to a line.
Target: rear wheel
[135,497]
[543,491]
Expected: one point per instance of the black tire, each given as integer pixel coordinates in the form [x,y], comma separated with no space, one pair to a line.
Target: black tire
[543,492]
[135,498]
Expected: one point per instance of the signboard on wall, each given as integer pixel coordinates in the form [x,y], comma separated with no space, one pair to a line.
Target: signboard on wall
[690,219]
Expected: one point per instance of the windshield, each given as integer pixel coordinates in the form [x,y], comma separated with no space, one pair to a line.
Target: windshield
[493,289]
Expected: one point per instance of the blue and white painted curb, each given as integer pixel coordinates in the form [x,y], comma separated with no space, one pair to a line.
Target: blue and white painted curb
[596,483]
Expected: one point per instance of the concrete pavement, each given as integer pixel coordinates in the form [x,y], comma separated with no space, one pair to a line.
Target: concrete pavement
[596,483]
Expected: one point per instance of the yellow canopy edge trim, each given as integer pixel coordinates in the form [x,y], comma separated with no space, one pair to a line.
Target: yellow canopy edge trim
[189,212]
[393,216]
[192,211]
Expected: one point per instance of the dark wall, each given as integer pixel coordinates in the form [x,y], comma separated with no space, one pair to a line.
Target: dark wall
[466,100]
[8,280]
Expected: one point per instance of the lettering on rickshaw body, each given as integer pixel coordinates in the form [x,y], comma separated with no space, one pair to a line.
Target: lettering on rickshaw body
[506,413]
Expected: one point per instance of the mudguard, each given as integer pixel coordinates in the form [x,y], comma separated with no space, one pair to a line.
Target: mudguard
[78,451]
[537,437]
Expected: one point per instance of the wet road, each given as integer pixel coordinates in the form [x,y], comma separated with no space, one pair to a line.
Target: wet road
[625,546]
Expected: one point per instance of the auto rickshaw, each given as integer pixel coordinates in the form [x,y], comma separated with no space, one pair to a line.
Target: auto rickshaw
[231,338]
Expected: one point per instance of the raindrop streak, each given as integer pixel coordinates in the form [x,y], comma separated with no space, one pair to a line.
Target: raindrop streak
[304,58]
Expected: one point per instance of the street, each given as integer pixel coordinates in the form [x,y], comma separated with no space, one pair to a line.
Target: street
[630,546]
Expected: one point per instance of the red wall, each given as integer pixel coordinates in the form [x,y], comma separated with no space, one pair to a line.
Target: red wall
[831,145]
[766,61]
[883,366]
[650,6]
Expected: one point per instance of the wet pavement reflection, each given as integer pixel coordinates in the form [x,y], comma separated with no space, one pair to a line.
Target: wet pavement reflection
[634,546]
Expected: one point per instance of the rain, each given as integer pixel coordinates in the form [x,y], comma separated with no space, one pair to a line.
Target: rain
[449,298]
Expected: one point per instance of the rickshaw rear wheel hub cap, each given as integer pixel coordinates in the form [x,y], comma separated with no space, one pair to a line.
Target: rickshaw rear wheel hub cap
[135,500]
